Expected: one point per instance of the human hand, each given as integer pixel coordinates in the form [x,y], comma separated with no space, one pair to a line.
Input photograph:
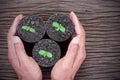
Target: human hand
[66,68]
[25,66]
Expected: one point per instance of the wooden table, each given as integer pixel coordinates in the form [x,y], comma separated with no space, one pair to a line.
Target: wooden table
[101,20]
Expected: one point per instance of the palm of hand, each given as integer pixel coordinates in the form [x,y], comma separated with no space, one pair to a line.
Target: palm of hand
[25,66]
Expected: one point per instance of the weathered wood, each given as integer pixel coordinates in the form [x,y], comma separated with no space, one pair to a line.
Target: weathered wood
[101,20]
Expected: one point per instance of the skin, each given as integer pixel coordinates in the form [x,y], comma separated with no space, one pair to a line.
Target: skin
[65,69]
[25,66]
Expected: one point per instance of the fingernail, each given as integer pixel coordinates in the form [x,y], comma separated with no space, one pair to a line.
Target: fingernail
[75,40]
[20,16]
[71,14]
[16,39]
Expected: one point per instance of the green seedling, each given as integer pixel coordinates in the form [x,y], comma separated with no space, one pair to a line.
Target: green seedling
[58,27]
[45,53]
[28,28]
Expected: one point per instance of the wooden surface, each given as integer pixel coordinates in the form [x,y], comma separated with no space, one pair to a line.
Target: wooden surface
[101,20]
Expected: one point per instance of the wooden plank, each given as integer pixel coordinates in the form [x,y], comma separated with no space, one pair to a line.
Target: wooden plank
[101,20]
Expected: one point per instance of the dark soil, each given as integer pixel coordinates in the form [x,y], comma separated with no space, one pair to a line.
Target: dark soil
[34,22]
[50,46]
[58,35]
[34,42]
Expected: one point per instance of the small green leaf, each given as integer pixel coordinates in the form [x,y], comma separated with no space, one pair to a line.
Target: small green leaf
[55,24]
[45,53]
[41,52]
[49,55]
[32,30]
[24,27]
[62,29]
[28,28]
[59,27]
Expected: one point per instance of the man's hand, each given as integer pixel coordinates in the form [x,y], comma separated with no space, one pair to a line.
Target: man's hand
[25,66]
[66,68]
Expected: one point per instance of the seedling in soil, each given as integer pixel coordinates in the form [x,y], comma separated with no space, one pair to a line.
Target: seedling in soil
[28,28]
[58,27]
[45,53]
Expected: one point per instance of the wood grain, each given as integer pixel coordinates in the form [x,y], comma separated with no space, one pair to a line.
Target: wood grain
[101,20]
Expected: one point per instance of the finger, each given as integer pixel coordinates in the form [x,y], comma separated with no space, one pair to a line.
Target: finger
[81,54]
[12,30]
[81,34]
[72,51]
[78,63]
[12,54]
[19,49]
[79,59]
[78,27]
[11,50]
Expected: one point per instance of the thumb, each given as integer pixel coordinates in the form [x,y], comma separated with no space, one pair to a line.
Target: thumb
[19,49]
[72,51]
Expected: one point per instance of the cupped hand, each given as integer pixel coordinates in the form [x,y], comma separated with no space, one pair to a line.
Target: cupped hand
[25,66]
[66,68]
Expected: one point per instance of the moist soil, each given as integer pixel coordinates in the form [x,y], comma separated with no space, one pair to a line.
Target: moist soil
[58,35]
[47,45]
[34,22]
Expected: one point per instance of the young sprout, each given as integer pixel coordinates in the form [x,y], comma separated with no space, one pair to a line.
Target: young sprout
[45,53]
[28,28]
[58,27]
